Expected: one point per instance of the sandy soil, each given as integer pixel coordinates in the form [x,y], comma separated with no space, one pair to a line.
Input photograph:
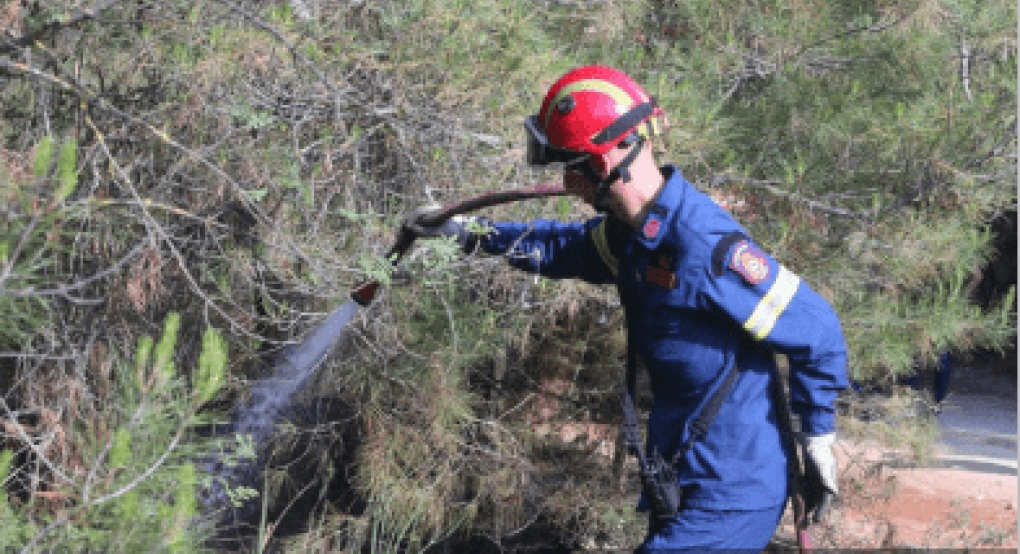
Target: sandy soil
[887,507]
[883,504]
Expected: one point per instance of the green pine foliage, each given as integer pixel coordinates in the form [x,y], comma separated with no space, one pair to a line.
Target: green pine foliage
[141,490]
[245,166]
[859,113]
[43,157]
[212,364]
[67,170]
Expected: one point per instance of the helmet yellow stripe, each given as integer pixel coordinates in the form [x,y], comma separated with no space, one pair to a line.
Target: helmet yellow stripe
[591,85]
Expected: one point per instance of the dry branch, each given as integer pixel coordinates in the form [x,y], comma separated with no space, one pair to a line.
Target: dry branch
[155,227]
[771,187]
[15,43]
[65,290]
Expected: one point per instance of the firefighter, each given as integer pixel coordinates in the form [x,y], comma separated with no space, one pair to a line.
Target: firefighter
[702,299]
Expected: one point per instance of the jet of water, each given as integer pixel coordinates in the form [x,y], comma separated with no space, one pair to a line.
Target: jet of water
[270,398]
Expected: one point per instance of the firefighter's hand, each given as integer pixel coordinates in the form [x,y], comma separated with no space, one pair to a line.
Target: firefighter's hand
[456,227]
[820,473]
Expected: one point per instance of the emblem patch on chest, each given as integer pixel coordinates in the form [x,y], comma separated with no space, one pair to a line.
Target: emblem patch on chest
[662,270]
[750,262]
[651,228]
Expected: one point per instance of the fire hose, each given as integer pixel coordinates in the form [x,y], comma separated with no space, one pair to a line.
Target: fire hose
[294,366]
[303,357]
[319,341]
[365,294]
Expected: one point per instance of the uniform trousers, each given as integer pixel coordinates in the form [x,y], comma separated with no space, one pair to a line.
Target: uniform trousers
[700,530]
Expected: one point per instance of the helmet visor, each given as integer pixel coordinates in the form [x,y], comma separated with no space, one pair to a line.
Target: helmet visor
[540,152]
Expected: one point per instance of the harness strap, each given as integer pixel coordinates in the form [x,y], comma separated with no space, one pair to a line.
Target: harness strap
[700,425]
[601,242]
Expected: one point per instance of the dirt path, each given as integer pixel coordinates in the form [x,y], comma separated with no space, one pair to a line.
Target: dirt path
[887,507]
[885,504]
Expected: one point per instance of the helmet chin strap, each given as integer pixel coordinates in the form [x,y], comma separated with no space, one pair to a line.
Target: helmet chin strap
[622,171]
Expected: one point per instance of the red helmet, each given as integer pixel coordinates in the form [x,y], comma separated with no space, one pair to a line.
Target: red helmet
[587,112]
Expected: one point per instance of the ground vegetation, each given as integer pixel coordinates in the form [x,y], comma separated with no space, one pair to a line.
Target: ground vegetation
[187,187]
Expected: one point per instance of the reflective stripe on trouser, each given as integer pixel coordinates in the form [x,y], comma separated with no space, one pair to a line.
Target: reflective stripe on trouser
[698,530]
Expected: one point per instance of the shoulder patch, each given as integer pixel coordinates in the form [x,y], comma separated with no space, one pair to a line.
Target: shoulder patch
[750,262]
[720,251]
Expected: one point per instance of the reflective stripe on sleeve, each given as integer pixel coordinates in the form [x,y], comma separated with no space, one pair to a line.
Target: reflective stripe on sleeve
[598,237]
[768,310]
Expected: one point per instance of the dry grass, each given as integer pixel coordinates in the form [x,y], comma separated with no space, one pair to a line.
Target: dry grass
[267,167]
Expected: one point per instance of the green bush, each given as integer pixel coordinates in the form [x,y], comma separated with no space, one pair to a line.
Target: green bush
[140,487]
[245,168]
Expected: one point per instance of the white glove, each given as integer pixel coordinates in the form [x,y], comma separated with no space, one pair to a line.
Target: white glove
[820,475]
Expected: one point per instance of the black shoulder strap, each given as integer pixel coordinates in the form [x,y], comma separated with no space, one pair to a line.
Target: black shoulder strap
[630,430]
[700,425]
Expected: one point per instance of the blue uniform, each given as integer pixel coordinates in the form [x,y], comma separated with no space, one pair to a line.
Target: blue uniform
[701,297]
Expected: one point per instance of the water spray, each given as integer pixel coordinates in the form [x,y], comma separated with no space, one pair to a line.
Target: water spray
[296,364]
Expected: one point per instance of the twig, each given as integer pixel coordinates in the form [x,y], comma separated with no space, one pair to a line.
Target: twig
[65,289]
[273,526]
[147,473]
[524,401]
[851,31]
[293,50]
[151,222]
[116,494]
[771,187]
[452,319]
[753,68]
[87,13]
[32,446]
[965,68]
[104,104]
[1009,136]
[41,534]
[576,3]
[135,417]
[36,356]
[17,249]
[538,513]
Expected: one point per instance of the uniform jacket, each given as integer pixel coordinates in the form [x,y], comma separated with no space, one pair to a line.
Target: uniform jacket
[701,296]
